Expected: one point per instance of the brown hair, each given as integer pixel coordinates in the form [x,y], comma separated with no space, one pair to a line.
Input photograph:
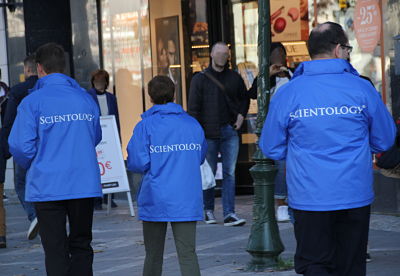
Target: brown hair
[100,75]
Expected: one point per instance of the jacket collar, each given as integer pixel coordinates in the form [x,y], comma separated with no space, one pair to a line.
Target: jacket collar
[324,66]
[169,108]
[55,79]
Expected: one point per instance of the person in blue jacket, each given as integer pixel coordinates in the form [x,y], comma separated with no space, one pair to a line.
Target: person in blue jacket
[327,122]
[54,137]
[107,104]
[167,147]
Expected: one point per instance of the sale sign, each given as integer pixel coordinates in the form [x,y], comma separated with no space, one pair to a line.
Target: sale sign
[367,24]
[109,157]
[289,20]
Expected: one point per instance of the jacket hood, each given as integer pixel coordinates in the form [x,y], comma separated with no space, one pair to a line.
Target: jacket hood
[55,78]
[324,66]
[163,109]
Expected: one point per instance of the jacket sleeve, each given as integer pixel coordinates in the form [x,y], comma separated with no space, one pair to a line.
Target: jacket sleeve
[274,135]
[9,117]
[23,137]
[204,148]
[97,127]
[382,129]
[243,98]
[195,97]
[138,150]
[115,111]
[252,92]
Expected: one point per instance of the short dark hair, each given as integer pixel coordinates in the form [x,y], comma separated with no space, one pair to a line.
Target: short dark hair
[30,62]
[325,37]
[100,75]
[161,90]
[51,57]
[276,45]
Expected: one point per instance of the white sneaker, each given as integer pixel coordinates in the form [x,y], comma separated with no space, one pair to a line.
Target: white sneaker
[209,217]
[33,229]
[282,214]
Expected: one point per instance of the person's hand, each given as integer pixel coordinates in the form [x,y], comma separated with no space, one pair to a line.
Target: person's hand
[274,69]
[239,122]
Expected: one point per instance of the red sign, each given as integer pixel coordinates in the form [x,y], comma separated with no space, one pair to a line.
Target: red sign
[367,24]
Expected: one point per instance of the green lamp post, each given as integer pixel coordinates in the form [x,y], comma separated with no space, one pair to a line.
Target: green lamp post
[264,243]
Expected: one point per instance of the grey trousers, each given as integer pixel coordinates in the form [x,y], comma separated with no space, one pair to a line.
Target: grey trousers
[185,243]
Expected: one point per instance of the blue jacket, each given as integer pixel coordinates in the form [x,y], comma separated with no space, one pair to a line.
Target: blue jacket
[168,146]
[54,136]
[326,122]
[111,103]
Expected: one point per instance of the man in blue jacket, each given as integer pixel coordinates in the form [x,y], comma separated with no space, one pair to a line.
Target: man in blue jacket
[16,95]
[54,137]
[327,122]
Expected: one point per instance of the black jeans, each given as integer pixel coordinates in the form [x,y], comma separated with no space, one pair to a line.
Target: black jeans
[332,243]
[66,255]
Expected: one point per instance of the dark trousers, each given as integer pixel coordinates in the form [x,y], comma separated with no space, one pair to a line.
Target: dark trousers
[185,243]
[332,243]
[66,255]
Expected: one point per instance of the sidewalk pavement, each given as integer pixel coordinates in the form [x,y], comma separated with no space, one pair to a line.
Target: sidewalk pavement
[119,250]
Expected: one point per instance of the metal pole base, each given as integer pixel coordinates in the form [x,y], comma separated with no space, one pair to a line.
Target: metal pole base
[261,262]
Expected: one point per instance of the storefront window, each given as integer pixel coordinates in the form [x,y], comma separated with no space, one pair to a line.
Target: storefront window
[16,45]
[199,35]
[126,55]
[85,40]
[371,27]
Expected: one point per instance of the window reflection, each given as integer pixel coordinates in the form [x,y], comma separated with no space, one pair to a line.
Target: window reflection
[85,40]
[126,56]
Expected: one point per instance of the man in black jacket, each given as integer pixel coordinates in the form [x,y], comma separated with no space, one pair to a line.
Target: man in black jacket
[17,93]
[218,101]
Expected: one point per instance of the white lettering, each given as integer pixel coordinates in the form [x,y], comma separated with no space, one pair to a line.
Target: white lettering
[330,112]
[175,147]
[326,111]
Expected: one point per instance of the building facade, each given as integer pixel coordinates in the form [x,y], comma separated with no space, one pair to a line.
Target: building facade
[135,40]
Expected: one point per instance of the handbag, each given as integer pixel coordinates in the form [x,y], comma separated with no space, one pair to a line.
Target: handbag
[207,176]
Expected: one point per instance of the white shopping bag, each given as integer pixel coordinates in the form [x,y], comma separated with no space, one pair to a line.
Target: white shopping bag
[207,176]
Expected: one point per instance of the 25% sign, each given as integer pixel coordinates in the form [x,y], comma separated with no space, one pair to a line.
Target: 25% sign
[104,167]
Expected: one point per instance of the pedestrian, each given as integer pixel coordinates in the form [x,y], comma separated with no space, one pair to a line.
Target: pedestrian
[107,104]
[167,147]
[4,90]
[279,75]
[17,93]
[326,122]
[54,137]
[218,100]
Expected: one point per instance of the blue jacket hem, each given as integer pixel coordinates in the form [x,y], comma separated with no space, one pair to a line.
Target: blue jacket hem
[331,207]
[62,197]
[165,219]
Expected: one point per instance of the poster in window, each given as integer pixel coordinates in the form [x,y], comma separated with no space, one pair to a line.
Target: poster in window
[168,52]
[289,20]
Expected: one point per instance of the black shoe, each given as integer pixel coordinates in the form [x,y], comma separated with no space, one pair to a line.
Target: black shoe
[98,207]
[113,204]
[233,220]
[33,229]
[3,243]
